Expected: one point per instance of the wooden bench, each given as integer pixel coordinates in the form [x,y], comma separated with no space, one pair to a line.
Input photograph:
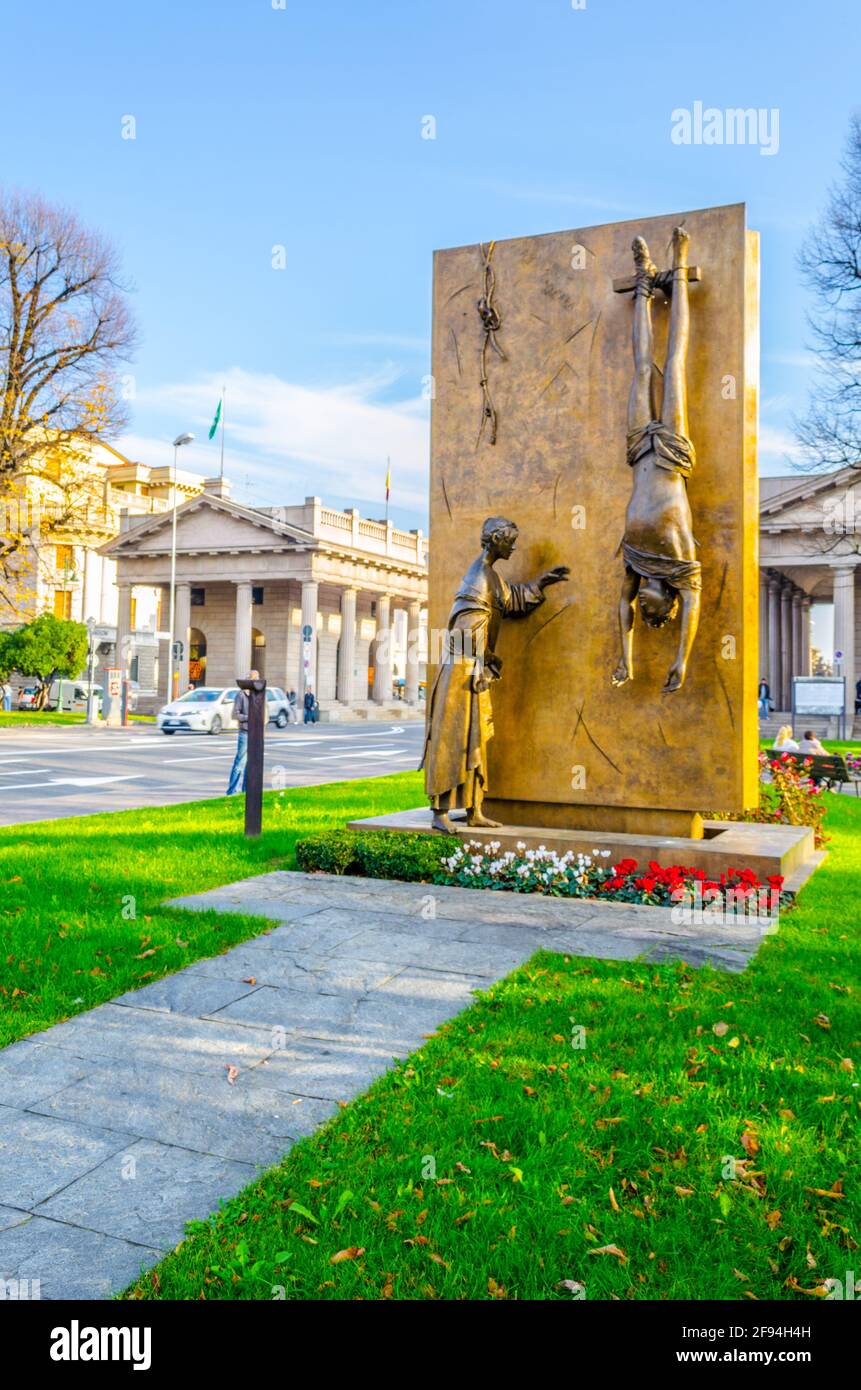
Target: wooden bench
[830,768]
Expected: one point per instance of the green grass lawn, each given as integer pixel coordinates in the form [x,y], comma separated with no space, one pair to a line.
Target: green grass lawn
[34,719]
[499,1161]
[80,914]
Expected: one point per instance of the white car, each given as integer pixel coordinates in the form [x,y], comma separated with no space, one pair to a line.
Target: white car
[204,711]
[210,709]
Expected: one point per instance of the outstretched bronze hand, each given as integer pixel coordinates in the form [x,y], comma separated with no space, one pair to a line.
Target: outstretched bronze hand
[557,575]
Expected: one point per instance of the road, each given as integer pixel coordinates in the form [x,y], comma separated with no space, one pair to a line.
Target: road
[75,771]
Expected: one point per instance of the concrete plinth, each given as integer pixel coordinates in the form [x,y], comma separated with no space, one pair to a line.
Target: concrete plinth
[766,849]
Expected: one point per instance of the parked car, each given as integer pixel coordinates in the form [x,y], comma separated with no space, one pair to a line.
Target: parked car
[207,710]
[27,696]
[278,706]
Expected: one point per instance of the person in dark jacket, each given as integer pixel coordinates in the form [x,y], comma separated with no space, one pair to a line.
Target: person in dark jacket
[763,697]
[310,706]
[240,762]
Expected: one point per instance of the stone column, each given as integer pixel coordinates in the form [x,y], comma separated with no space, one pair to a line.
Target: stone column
[774,639]
[785,646]
[181,624]
[805,636]
[797,655]
[122,653]
[412,663]
[347,647]
[383,650]
[844,630]
[242,649]
[762,668]
[308,674]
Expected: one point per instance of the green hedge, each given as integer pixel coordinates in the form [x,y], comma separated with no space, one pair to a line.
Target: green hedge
[380,854]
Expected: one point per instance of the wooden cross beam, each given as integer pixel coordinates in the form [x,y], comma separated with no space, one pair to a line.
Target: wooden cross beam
[627,283]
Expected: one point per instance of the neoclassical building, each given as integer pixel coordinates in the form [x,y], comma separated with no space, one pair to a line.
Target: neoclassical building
[310,596]
[810,540]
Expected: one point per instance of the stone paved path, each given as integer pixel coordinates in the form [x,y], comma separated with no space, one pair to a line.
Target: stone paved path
[120,1125]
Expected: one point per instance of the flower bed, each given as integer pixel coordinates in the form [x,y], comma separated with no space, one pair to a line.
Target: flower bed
[430,859]
[786,796]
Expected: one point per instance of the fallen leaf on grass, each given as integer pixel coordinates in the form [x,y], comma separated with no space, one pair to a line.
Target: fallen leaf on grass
[351,1253]
[610,1250]
[772,1219]
[613,1203]
[720,1028]
[835,1191]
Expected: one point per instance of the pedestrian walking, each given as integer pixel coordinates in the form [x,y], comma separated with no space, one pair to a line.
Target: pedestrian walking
[240,762]
[292,707]
[310,706]
[763,698]
[7,696]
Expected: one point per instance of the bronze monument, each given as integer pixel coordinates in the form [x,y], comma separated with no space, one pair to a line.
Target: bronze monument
[459,714]
[662,572]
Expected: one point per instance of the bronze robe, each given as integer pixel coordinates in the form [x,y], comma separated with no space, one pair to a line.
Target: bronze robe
[460,719]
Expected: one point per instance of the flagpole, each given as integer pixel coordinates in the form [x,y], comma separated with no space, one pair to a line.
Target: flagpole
[388,480]
[222,432]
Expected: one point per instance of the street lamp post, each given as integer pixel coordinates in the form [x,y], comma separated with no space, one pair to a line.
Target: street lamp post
[177,444]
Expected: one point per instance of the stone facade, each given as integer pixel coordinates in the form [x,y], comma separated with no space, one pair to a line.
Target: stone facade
[809,554]
[250,581]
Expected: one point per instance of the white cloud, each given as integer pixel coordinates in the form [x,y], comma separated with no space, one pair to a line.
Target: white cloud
[778,449]
[293,439]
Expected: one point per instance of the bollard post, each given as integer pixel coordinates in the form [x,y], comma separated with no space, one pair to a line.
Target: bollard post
[256,692]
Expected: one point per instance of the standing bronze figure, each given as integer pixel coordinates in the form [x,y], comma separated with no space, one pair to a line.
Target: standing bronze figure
[662,571]
[460,718]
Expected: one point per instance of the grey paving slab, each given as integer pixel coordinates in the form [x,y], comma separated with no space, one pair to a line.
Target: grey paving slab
[195,1082]
[146,1036]
[247,896]
[329,1069]
[416,948]
[248,1124]
[147,1193]
[417,985]
[336,973]
[294,1011]
[39,1154]
[69,1262]
[29,1073]
[186,993]
[314,933]
[12,1216]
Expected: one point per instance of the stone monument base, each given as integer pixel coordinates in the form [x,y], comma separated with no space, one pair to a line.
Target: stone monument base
[766,849]
[627,820]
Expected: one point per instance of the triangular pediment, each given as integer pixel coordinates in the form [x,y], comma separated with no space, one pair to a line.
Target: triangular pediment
[208,524]
[806,500]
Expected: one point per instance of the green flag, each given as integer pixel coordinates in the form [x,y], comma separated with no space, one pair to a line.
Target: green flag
[214,426]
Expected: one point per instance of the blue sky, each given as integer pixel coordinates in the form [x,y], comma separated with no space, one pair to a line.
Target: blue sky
[301,127]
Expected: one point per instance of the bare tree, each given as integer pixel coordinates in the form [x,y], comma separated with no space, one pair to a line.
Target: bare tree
[65,326]
[830,263]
